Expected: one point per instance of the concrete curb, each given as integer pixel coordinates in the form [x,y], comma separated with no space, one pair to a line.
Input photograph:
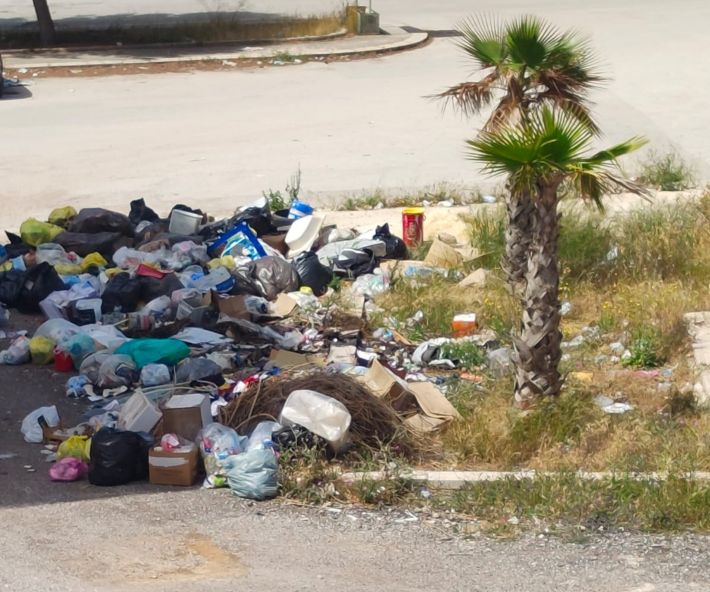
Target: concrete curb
[399,40]
[459,479]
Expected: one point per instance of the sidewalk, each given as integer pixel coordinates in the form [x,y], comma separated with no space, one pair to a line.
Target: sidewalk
[393,39]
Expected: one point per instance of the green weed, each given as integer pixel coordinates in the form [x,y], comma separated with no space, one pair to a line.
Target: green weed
[667,172]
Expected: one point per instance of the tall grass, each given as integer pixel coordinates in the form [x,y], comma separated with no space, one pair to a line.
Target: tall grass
[655,242]
[667,172]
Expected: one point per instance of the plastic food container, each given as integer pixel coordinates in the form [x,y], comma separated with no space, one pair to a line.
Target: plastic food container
[185,223]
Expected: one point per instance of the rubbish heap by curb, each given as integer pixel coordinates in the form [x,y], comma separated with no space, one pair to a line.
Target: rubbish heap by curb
[212,346]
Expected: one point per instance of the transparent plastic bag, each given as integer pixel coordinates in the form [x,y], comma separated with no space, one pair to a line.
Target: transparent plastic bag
[253,474]
[18,352]
[155,374]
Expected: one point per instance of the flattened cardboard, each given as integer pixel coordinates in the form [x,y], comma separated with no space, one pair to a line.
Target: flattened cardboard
[232,306]
[284,306]
[427,408]
[287,360]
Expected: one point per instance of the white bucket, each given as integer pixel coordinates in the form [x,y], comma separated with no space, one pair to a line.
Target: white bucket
[185,223]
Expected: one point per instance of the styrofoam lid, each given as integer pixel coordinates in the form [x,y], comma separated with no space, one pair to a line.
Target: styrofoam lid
[303,233]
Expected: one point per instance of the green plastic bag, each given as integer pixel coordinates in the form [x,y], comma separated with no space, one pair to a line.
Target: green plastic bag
[60,216]
[154,351]
[34,232]
[42,350]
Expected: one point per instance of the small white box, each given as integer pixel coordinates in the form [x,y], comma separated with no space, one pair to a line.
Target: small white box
[186,415]
[138,414]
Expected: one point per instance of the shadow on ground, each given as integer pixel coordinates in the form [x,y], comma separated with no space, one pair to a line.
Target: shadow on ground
[13,93]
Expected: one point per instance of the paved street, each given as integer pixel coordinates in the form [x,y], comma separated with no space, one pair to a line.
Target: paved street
[217,139]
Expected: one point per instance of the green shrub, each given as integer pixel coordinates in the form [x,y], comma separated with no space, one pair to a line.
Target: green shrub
[667,172]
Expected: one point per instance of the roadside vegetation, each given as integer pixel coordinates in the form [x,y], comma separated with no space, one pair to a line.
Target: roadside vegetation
[217,27]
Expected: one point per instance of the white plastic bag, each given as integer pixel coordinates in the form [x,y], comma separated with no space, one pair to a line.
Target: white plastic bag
[31,429]
[318,413]
[155,374]
[58,330]
[18,352]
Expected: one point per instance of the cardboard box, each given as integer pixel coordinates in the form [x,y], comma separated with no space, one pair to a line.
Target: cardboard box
[232,306]
[177,467]
[186,415]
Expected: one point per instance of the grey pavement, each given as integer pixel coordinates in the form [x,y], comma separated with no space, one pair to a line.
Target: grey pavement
[217,139]
[199,540]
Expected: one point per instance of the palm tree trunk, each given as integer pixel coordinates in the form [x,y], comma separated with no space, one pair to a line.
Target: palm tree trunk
[45,22]
[518,235]
[537,350]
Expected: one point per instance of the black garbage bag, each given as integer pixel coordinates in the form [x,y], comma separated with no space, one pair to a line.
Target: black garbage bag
[395,247]
[353,263]
[122,294]
[297,436]
[118,457]
[149,233]
[312,272]
[39,282]
[83,243]
[199,369]
[93,220]
[273,276]
[141,212]
[152,288]
[11,283]
[259,219]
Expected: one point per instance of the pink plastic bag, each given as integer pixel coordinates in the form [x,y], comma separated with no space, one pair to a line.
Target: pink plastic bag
[68,469]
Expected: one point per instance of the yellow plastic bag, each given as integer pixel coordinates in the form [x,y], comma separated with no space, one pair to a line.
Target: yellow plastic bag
[226,261]
[34,232]
[76,447]
[60,216]
[42,350]
[93,260]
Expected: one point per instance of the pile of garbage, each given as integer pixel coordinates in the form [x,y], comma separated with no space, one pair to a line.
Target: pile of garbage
[211,343]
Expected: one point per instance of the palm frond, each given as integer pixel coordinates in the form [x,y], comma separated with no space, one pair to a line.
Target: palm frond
[529,40]
[470,97]
[483,40]
[573,105]
[614,152]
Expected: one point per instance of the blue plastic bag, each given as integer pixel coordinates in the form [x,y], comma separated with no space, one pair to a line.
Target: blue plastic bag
[253,474]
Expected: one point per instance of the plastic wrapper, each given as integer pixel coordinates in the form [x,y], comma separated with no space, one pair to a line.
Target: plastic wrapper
[79,347]
[274,275]
[31,428]
[34,232]
[68,469]
[117,370]
[18,352]
[94,220]
[155,375]
[60,331]
[122,294]
[155,351]
[118,457]
[217,443]
[41,350]
[60,216]
[83,243]
[319,414]
[313,273]
[74,446]
[240,241]
[253,474]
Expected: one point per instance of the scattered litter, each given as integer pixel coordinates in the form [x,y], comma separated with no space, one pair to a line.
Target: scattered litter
[612,407]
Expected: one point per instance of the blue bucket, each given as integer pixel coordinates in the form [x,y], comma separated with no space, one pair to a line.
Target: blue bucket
[299,210]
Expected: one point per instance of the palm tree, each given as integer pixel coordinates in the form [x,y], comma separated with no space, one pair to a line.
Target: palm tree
[524,64]
[537,155]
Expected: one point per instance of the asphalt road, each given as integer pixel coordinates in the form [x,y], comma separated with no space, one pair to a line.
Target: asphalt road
[217,139]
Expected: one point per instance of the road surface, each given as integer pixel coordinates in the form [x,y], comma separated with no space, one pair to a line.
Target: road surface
[217,139]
